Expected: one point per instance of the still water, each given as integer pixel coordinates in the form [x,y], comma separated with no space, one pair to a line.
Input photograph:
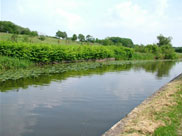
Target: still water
[85,103]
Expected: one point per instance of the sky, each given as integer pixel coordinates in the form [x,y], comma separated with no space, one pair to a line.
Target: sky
[140,20]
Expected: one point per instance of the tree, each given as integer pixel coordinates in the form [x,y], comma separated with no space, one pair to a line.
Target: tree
[74,38]
[122,41]
[107,42]
[90,38]
[64,35]
[164,40]
[81,37]
[60,34]
[34,33]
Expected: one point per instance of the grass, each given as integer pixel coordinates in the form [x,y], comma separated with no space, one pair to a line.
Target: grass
[29,39]
[174,118]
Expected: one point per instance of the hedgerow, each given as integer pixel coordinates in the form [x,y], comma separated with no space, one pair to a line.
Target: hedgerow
[57,53]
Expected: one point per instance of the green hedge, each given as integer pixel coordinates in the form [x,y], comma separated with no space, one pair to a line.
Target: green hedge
[57,53]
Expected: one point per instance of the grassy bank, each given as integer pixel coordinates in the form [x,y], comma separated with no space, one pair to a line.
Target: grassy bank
[161,115]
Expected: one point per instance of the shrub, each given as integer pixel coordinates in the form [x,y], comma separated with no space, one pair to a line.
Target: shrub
[51,53]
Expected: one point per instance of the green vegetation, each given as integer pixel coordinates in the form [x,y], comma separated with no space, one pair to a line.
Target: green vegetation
[117,41]
[159,67]
[162,52]
[172,118]
[23,49]
[60,34]
[36,39]
[164,40]
[52,53]
[9,27]
[178,49]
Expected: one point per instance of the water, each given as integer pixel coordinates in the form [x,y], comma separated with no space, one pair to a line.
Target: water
[85,103]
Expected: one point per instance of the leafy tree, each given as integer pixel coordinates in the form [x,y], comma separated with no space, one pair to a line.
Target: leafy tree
[34,33]
[90,38]
[74,37]
[164,40]
[64,35]
[122,41]
[9,27]
[168,52]
[178,49]
[107,42]
[60,34]
[81,37]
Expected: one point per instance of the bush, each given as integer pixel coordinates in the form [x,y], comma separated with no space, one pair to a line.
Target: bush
[42,37]
[52,53]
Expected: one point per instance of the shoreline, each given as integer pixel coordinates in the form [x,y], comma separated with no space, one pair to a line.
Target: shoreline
[121,127]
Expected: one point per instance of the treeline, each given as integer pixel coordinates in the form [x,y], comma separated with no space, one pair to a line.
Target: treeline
[9,27]
[90,39]
[178,49]
[162,50]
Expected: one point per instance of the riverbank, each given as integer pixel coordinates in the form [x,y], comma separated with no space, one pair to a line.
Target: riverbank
[159,115]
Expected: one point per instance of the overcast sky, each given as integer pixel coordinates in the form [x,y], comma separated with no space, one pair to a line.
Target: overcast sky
[140,20]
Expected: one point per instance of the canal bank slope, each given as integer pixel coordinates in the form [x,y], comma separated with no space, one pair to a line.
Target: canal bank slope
[159,115]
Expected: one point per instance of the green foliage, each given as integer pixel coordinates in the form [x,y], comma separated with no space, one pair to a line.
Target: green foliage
[178,49]
[7,63]
[52,53]
[107,42]
[74,37]
[61,34]
[121,41]
[162,52]
[42,37]
[14,38]
[164,40]
[81,37]
[90,38]
[26,39]
[9,27]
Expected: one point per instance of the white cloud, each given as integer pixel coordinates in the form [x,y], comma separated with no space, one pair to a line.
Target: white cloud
[72,21]
[133,16]
[60,14]
[162,6]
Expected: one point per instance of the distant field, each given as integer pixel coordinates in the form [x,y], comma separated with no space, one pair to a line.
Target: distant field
[48,40]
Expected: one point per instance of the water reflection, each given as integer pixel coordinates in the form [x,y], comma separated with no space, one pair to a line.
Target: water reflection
[79,103]
[161,68]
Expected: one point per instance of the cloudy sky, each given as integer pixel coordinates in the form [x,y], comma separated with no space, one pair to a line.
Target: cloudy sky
[141,20]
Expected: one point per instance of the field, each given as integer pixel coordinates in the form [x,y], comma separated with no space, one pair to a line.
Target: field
[35,39]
